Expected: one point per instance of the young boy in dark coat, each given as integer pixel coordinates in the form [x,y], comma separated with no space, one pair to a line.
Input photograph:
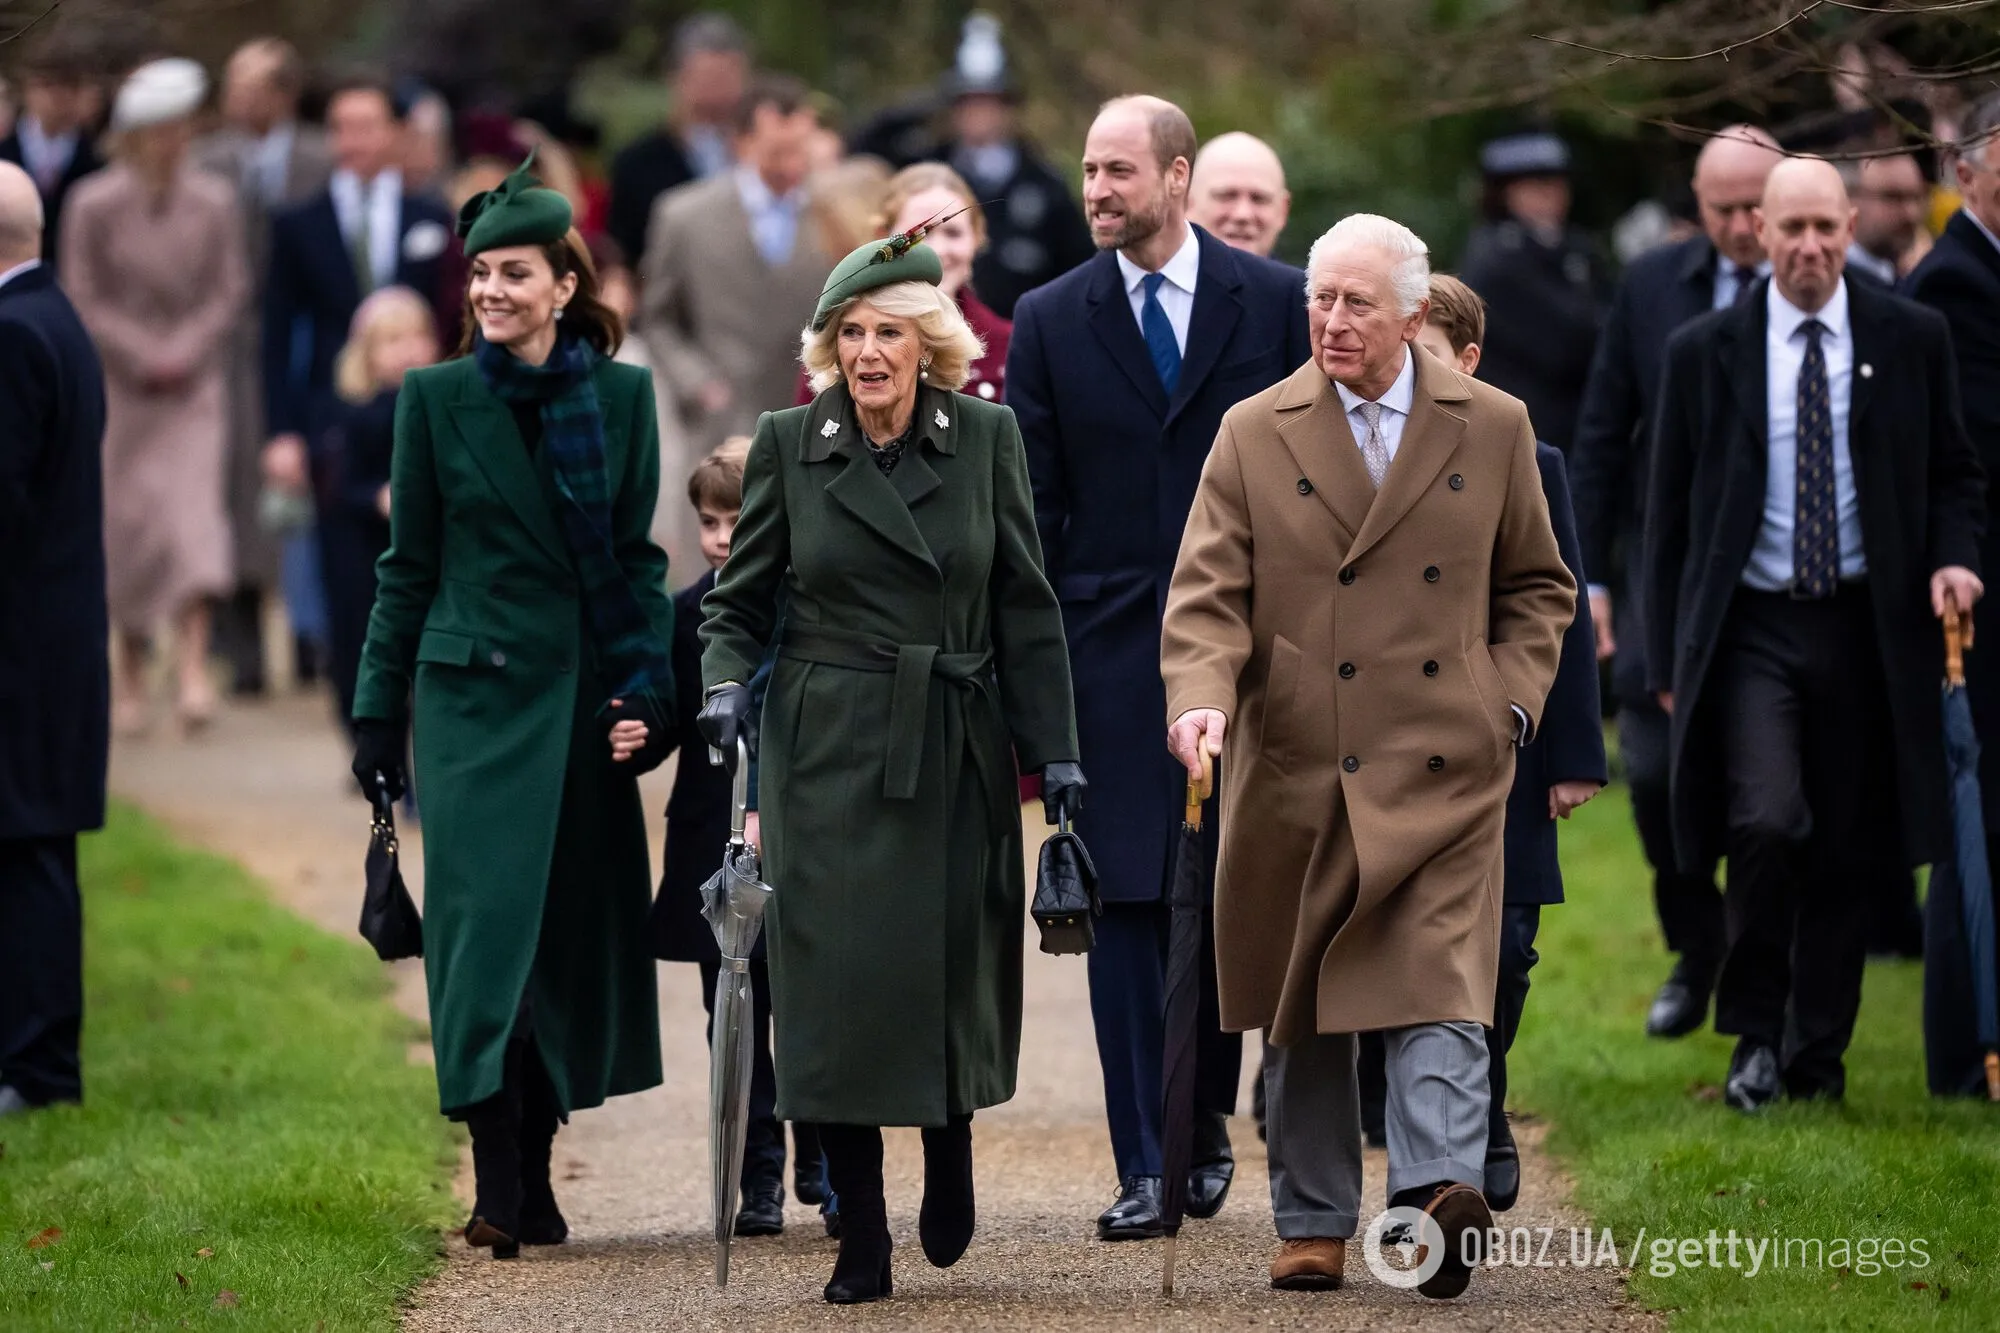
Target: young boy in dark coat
[697,828]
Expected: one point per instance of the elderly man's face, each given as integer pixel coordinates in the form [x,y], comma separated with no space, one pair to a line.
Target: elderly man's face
[1358,333]
[1978,171]
[1242,201]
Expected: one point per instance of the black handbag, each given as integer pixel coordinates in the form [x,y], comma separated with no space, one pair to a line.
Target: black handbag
[1066,902]
[389,918]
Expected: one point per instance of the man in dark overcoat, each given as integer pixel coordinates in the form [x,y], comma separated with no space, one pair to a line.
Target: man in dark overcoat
[1661,291]
[1120,372]
[54,672]
[1960,279]
[1815,504]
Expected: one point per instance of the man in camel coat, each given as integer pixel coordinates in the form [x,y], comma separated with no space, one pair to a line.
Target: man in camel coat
[1369,602]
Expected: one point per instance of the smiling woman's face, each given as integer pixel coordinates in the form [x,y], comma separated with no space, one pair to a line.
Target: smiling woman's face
[879,357]
[515,293]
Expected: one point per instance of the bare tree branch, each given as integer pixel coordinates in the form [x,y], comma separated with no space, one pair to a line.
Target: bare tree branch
[27,27]
[1722,51]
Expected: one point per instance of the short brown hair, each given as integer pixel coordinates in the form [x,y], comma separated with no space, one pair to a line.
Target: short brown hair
[783,93]
[1458,310]
[717,481]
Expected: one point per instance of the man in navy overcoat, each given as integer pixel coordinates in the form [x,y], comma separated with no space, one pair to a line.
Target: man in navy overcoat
[54,655]
[1119,373]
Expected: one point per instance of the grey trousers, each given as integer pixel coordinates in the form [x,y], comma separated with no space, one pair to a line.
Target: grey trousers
[1437,1111]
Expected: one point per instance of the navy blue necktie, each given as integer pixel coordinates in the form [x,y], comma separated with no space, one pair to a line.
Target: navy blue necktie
[1159,331]
[1815,514]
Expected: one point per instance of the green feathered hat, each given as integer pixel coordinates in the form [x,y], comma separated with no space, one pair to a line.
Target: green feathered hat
[899,258]
[519,211]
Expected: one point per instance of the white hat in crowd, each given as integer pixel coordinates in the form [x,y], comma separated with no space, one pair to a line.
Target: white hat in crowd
[157,92]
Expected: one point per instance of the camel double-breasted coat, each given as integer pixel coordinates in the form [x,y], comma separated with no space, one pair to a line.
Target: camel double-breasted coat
[1366,647]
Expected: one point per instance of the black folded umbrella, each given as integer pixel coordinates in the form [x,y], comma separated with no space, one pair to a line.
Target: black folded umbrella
[1187,897]
[1967,874]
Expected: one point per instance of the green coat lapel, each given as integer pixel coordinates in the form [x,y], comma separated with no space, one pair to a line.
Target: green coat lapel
[487,430]
[882,504]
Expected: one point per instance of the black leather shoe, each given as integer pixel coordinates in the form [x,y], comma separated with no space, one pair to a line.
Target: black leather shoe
[1136,1215]
[1754,1081]
[809,1182]
[1681,1006]
[1503,1170]
[1214,1165]
[763,1210]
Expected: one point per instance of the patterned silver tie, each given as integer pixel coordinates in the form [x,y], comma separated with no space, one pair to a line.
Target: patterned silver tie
[1374,449]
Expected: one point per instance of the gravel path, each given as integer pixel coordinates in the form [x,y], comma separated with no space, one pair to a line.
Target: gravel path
[269,788]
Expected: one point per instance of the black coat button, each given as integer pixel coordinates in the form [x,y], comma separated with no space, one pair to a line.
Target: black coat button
[1305,487]
[1430,573]
[1347,671]
[1457,482]
[1347,576]
[1437,763]
[1430,668]
[498,658]
[1350,763]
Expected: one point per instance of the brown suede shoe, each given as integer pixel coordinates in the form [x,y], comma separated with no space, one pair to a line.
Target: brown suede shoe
[1457,1209]
[1312,1263]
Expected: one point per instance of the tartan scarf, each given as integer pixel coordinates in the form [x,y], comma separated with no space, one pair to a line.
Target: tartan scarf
[629,651]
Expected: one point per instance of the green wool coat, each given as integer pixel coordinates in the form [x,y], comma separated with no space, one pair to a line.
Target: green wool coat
[536,876]
[920,641]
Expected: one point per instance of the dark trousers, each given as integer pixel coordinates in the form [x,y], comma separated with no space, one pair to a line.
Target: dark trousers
[1806,746]
[239,637]
[1127,971]
[1519,923]
[764,1138]
[41,969]
[1689,904]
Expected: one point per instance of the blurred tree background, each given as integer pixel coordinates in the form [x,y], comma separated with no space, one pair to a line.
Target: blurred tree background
[1376,104]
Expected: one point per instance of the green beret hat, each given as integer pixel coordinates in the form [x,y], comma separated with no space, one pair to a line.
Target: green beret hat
[520,211]
[898,258]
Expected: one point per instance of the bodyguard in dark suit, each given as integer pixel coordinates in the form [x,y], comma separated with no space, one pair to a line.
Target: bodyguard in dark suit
[1960,279]
[1119,373]
[1661,291]
[1814,503]
[54,674]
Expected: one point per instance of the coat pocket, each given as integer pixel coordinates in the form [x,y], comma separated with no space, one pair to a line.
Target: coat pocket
[443,647]
[1281,687]
[1492,692]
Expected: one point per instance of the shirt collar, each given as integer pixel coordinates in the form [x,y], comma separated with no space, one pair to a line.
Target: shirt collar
[31,132]
[758,196]
[1402,395]
[1786,317]
[18,270]
[389,181]
[1182,270]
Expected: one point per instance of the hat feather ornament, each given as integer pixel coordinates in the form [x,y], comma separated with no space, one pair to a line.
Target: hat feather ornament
[902,257]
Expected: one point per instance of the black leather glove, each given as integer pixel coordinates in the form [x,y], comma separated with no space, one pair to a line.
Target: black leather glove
[1062,791]
[725,715]
[659,733]
[379,750]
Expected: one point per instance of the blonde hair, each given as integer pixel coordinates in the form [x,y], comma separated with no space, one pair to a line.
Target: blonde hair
[842,201]
[912,181]
[947,339]
[391,308]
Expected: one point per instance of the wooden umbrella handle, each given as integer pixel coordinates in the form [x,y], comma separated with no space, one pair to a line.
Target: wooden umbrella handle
[1957,638]
[1198,791]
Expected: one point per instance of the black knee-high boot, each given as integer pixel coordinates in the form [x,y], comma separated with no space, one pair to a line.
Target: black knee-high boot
[542,1222]
[854,1166]
[496,1161]
[945,1224]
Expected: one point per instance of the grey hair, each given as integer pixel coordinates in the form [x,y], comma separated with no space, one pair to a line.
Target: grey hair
[1980,130]
[1410,258]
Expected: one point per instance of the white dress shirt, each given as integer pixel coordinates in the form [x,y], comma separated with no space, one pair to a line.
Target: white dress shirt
[1396,406]
[774,218]
[18,269]
[1176,293]
[1731,278]
[45,156]
[378,207]
[1770,565]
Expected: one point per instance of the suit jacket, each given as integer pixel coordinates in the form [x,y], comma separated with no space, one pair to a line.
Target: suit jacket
[227,153]
[1569,745]
[1543,307]
[310,295]
[1922,497]
[644,170]
[1115,464]
[54,653]
[714,310]
[1035,231]
[1368,648]
[1662,290]
[81,163]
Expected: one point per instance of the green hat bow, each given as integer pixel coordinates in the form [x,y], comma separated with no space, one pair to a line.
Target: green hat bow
[518,211]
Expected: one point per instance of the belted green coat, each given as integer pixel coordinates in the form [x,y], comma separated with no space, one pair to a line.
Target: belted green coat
[920,642]
[537,882]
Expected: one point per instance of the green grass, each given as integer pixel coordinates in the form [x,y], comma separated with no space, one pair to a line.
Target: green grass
[255,1149]
[1641,1125]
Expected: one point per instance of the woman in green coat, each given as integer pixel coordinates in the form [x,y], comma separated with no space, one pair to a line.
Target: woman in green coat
[522,607]
[920,653]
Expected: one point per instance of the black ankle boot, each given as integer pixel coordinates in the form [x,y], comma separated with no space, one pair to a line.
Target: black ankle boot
[946,1222]
[854,1166]
[542,1222]
[496,1169]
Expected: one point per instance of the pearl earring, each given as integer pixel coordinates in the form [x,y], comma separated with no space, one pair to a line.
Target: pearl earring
[559,311]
